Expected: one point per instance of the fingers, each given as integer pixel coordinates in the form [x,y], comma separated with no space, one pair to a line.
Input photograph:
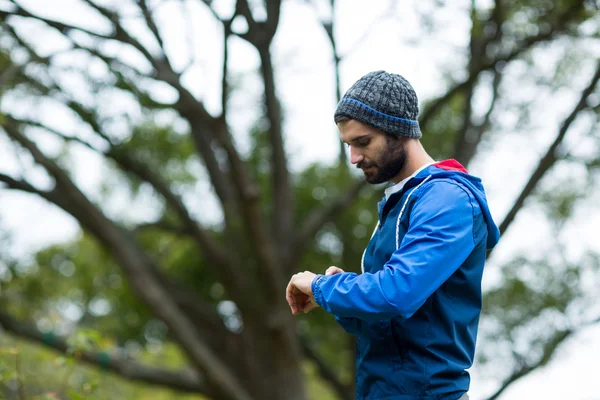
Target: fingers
[295,298]
[290,292]
[301,301]
[309,305]
[298,292]
[333,270]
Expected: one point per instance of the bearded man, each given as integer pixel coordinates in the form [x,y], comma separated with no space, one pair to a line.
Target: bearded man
[415,307]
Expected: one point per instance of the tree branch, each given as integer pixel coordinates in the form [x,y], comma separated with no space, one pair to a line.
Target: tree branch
[469,136]
[61,27]
[204,126]
[271,276]
[465,150]
[527,44]
[273,14]
[138,268]
[319,217]
[143,4]
[244,184]
[209,323]
[123,36]
[269,271]
[53,196]
[162,66]
[164,72]
[213,251]
[224,70]
[184,380]
[206,142]
[66,138]
[120,34]
[161,226]
[12,183]
[247,191]
[548,160]
[260,35]
[283,201]
[117,67]
[526,369]
[477,54]
[242,7]
[374,24]
[329,27]
[550,348]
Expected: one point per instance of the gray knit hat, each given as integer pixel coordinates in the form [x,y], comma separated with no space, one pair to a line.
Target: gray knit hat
[383,100]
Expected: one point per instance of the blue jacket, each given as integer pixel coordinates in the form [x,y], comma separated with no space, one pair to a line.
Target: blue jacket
[416,306]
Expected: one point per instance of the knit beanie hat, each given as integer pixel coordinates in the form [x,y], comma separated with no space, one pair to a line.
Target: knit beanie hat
[384,101]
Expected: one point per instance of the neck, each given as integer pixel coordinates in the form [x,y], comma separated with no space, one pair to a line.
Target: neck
[416,157]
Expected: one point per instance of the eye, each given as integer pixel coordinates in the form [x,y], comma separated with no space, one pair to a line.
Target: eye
[363,142]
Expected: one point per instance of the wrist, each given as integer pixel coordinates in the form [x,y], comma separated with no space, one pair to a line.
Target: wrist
[316,289]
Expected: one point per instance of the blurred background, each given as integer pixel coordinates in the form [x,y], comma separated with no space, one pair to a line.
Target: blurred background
[167,165]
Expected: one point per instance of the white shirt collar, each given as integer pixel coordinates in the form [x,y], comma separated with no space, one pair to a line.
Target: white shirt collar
[398,186]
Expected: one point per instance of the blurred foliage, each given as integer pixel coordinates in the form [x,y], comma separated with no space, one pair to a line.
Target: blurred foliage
[43,375]
[163,150]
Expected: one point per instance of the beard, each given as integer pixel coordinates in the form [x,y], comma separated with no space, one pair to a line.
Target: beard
[390,161]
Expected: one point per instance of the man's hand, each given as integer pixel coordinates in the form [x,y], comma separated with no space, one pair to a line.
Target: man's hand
[333,270]
[299,293]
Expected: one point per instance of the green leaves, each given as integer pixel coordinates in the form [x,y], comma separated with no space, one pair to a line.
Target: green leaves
[163,150]
[44,375]
[521,298]
[535,307]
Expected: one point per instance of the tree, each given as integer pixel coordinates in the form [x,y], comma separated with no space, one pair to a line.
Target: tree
[215,287]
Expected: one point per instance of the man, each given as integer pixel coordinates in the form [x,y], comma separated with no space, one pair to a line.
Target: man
[416,306]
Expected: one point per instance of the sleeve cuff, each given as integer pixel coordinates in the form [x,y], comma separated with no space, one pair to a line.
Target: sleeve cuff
[316,289]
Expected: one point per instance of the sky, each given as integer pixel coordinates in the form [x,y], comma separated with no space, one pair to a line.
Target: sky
[371,36]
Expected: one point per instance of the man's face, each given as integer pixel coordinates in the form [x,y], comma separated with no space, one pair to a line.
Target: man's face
[380,156]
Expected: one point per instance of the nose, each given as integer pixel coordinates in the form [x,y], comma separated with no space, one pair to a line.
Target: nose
[355,155]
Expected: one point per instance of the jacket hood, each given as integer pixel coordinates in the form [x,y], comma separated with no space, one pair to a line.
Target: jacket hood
[452,169]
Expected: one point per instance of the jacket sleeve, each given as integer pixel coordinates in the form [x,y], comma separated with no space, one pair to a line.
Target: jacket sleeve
[350,324]
[438,241]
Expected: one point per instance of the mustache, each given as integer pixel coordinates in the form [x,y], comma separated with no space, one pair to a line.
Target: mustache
[365,164]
